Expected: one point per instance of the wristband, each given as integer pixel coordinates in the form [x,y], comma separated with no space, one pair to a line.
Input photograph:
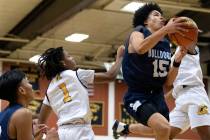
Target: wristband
[176,64]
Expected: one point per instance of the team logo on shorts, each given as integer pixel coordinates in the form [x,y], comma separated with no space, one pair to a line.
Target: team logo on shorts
[203,109]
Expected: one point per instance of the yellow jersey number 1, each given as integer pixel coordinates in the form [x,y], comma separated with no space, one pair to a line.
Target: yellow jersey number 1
[66,98]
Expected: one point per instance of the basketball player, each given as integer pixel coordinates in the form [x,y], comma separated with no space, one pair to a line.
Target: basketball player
[146,70]
[191,101]
[67,93]
[16,120]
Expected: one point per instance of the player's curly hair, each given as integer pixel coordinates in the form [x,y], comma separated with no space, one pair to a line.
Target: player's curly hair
[9,83]
[51,62]
[143,12]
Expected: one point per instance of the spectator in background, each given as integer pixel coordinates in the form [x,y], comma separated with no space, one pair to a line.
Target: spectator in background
[16,119]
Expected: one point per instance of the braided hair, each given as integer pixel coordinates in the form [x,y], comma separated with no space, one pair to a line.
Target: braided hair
[51,62]
[142,13]
[9,83]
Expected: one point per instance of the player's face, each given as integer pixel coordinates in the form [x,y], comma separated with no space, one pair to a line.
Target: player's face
[26,90]
[155,21]
[69,61]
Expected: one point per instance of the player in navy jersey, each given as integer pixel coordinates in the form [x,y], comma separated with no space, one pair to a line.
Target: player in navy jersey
[15,119]
[191,100]
[147,72]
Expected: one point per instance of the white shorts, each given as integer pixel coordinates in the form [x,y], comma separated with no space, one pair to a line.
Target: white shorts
[76,132]
[192,109]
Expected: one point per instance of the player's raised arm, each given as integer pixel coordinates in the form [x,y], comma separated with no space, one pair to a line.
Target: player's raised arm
[111,74]
[174,69]
[142,44]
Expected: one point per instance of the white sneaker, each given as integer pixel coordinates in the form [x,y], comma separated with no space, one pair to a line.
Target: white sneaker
[119,129]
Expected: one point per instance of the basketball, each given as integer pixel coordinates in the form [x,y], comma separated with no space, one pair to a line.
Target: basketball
[188,38]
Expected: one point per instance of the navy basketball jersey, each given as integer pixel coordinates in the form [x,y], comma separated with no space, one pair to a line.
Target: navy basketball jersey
[4,120]
[149,70]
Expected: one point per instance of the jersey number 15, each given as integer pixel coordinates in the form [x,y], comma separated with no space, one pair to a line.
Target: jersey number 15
[160,68]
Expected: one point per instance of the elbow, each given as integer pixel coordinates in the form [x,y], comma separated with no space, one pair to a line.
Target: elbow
[111,77]
[142,50]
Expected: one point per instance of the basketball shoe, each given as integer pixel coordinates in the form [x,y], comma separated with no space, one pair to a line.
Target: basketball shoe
[120,129]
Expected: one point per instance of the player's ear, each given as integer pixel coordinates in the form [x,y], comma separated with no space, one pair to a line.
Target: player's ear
[145,22]
[21,90]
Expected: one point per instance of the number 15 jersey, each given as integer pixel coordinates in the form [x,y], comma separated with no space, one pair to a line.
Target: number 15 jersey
[68,96]
[148,70]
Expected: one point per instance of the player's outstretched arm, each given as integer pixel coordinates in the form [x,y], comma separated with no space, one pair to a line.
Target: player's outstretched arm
[174,69]
[142,45]
[111,74]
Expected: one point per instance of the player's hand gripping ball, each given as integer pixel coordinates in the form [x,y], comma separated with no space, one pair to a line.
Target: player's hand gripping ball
[188,38]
